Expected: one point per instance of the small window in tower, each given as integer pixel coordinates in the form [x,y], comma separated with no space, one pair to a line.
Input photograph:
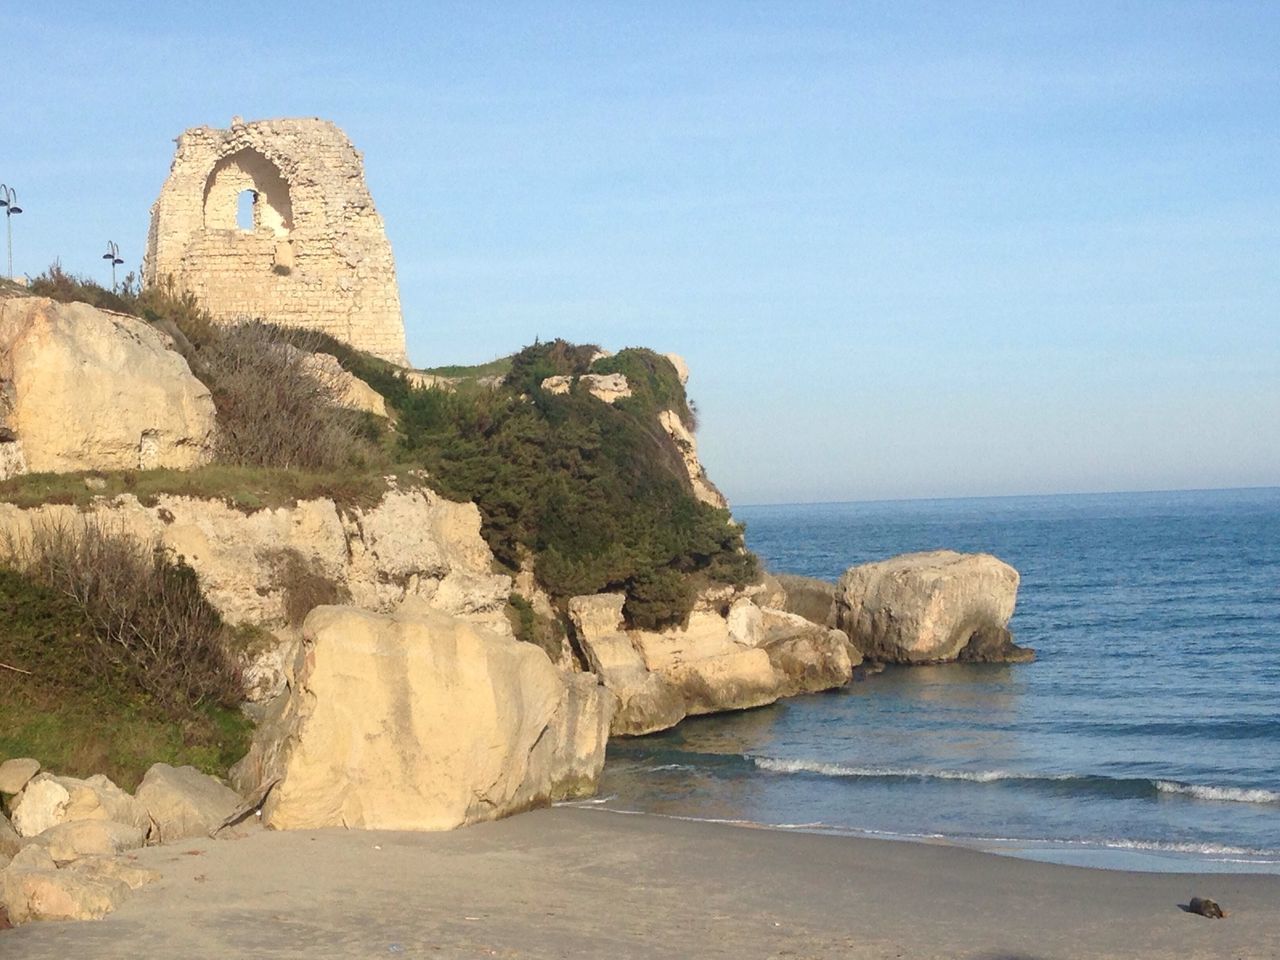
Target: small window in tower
[245,209]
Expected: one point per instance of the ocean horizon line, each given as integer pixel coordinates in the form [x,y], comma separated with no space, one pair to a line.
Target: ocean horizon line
[1009,496]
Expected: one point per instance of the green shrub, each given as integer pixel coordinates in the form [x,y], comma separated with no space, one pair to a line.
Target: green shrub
[596,492]
[80,707]
[274,408]
[530,627]
[56,284]
[149,623]
[653,380]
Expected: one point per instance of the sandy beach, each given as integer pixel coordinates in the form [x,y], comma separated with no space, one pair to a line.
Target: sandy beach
[582,883]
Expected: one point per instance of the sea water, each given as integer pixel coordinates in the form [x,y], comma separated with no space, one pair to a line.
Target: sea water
[1146,735]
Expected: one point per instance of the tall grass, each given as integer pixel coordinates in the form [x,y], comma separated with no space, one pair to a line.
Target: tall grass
[149,624]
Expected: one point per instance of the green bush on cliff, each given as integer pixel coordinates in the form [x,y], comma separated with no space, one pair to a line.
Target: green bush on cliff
[596,492]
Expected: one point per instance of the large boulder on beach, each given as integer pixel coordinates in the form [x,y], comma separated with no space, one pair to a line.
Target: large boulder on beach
[85,389]
[929,607]
[47,800]
[183,802]
[417,720]
[31,888]
[81,838]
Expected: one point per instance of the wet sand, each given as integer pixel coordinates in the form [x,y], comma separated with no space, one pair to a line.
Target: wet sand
[583,883]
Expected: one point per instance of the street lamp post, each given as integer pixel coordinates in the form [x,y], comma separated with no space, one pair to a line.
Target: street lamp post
[113,254]
[9,200]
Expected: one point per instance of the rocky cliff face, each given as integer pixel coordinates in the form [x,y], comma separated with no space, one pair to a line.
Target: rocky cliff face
[84,389]
[417,720]
[256,567]
[731,655]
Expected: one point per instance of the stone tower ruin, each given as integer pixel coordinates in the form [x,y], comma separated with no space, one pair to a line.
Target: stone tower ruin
[272,220]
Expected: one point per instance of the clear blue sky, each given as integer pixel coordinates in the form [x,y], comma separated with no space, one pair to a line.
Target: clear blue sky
[909,249]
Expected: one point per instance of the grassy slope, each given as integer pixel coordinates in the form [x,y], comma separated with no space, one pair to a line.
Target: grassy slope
[77,719]
[246,488]
[494,368]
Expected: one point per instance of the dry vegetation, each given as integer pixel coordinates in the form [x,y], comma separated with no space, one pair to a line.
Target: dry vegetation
[113,657]
[149,621]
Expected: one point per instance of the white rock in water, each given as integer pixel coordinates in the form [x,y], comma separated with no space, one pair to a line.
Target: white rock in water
[929,607]
[421,721]
[92,390]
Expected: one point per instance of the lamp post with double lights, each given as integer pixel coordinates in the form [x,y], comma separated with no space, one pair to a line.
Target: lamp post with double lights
[9,200]
[113,254]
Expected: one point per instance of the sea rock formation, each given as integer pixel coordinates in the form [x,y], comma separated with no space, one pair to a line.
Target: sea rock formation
[646,701]
[806,657]
[930,607]
[85,389]
[808,597]
[417,720]
[255,566]
[733,658]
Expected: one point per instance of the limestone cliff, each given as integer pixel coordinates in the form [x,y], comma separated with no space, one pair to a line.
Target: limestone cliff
[255,566]
[85,389]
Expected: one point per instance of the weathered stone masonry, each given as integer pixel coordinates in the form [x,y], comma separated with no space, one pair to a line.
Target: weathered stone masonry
[316,254]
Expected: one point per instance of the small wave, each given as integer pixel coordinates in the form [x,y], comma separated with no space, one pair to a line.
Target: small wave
[588,802]
[669,766]
[897,773]
[1201,849]
[1230,794]
[1133,787]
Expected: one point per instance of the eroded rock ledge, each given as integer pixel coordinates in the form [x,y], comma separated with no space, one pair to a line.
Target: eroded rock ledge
[731,655]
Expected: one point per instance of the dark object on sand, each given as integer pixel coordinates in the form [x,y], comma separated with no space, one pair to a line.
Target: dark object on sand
[1205,907]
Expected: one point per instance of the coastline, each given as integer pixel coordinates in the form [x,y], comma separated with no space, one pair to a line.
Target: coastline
[1129,856]
[571,882]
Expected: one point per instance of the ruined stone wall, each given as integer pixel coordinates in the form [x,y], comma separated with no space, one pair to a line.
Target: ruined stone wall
[316,254]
